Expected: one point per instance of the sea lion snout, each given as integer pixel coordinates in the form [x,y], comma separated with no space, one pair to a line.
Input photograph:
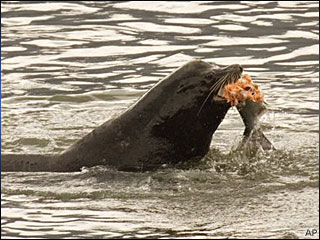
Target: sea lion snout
[235,68]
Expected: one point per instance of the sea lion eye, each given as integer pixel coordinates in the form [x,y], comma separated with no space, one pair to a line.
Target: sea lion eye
[209,75]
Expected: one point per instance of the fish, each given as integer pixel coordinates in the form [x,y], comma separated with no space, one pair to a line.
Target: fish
[253,137]
[249,101]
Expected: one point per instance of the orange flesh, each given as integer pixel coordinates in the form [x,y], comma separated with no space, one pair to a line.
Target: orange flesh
[242,90]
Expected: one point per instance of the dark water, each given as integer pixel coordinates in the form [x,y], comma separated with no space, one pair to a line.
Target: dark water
[68,67]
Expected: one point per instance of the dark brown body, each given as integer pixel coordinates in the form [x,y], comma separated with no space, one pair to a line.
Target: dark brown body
[163,127]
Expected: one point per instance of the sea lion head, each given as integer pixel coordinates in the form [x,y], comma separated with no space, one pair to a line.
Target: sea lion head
[192,90]
[187,107]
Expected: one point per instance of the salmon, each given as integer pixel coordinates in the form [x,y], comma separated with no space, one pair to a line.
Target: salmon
[253,136]
[248,98]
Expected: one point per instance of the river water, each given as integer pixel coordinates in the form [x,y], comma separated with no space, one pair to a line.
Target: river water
[67,67]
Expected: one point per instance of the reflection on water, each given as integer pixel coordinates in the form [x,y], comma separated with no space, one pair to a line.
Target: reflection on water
[66,67]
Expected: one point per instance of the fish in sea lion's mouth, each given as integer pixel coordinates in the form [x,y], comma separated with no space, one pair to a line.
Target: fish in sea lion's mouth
[248,98]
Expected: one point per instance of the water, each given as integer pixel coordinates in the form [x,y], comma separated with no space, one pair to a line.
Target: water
[68,67]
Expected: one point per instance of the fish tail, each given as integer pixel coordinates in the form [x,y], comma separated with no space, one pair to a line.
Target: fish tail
[256,139]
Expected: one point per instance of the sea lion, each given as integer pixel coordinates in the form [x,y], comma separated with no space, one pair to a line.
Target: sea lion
[172,123]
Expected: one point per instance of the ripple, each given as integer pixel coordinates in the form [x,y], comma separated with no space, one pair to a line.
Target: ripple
[18,21]
[121,50]
[69,8]
[232,27]
[263,23]
[296,34]
[151,27]
[190,21]
[53,43]
[154,42]
[231,17]
[98,34]
[175,60]
[68,67]
[298,63]
[236,41]
[310,50]
[113,17]
[175,7]
[13,49]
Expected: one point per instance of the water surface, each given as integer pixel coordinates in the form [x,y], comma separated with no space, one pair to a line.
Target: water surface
[67,67]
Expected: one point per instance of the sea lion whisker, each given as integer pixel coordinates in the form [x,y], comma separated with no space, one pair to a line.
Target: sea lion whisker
[219,81]
[223,82]
[236,77]
[217,85]
[204,102]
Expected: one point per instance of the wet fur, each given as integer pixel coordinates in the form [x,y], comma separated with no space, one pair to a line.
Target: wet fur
[172,123]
